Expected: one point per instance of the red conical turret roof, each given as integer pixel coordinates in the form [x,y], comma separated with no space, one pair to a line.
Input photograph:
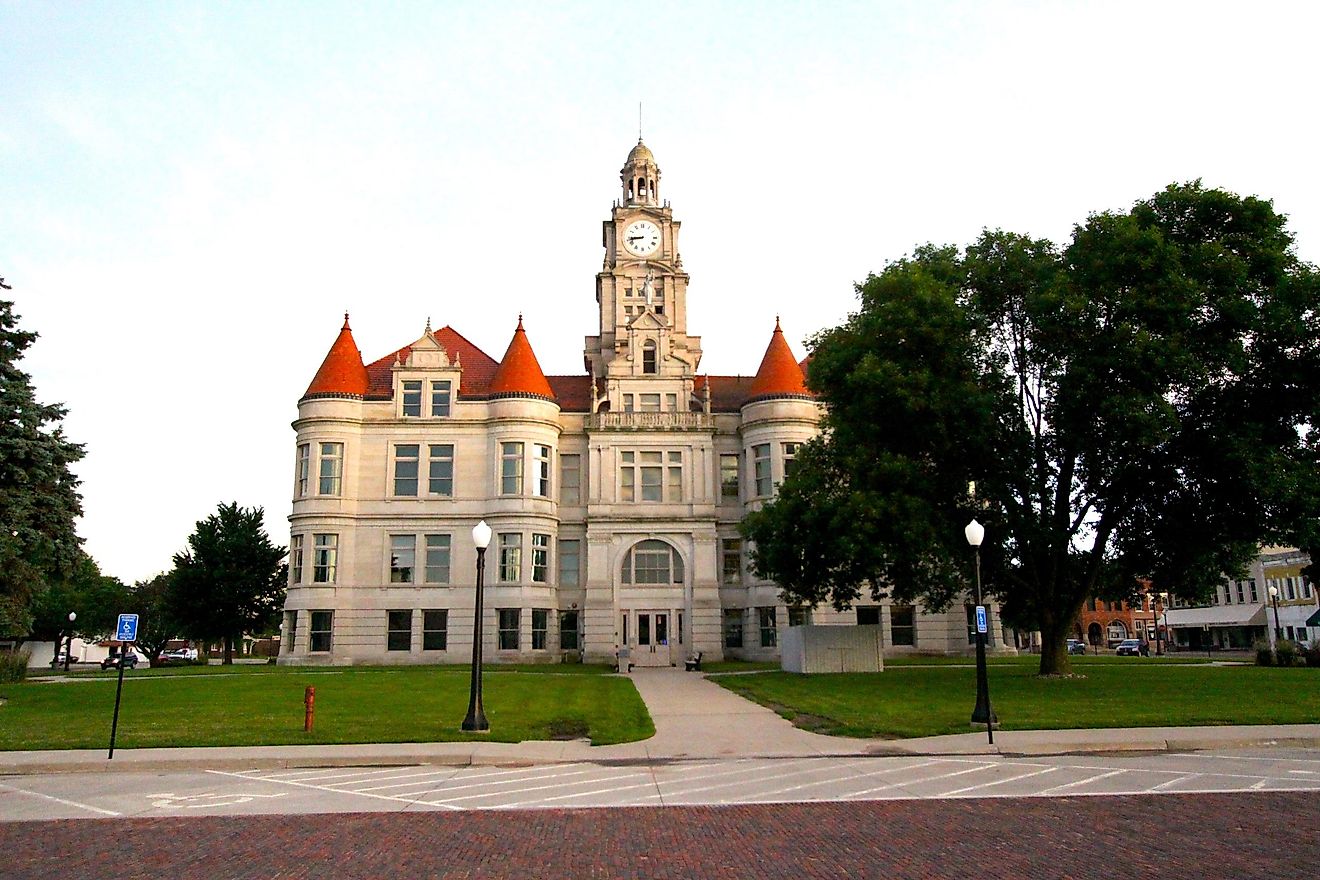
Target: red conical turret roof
[779,374]
[342,372]
[519,371]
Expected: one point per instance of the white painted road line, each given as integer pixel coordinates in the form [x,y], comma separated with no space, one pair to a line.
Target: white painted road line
[521,791]
[382,797]
[1177,779]
[888,785]
[51,797]
[740,770]
[959,791]
[1080,782]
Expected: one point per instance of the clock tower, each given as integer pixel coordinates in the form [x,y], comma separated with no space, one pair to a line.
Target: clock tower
[641,291]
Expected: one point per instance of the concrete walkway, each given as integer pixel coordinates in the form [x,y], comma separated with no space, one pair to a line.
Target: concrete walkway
[694,719]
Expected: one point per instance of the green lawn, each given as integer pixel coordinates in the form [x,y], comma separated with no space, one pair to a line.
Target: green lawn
[907,701]
[263,705]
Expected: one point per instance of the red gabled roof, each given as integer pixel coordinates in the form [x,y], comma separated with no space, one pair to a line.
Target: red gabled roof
[519,371]
[779,374]
[478,367]
[341,373]
[572,393]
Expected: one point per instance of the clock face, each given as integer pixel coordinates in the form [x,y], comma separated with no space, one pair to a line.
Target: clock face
[641,238]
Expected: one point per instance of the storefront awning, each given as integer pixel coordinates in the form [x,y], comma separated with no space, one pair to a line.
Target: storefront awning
[1216,615]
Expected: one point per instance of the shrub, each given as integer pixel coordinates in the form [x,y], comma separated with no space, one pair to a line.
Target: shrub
[1264,656]
[1312,654]
[13,666]
[1285,652]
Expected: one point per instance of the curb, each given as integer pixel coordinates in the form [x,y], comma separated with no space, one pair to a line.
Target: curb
[45,763]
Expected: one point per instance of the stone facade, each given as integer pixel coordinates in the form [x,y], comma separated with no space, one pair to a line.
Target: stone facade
[614,495]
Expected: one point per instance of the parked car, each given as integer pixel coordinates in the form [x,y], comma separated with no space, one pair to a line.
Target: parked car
[179,655]
[1076,646]
[112,662]
[62,659]
[1129,648]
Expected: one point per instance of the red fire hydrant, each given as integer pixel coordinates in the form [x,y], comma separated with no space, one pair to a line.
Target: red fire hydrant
[309,705]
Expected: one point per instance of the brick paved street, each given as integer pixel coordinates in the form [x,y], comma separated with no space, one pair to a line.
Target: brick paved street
[1267,834]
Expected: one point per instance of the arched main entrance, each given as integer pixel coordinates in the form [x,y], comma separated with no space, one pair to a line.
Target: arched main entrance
[651,603]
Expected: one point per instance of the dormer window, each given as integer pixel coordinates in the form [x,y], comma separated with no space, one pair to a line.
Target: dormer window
[412,398]
[648,357]
[440,396]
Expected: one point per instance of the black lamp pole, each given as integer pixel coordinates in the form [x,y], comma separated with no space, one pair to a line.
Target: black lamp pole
[476,715]
[982,713]
[69,648]
[1155,620]
[1278,630]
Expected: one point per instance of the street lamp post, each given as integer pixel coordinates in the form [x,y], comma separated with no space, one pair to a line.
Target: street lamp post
[73,615]
[1157,603]
[982,713]
[1274,600]
[476,715]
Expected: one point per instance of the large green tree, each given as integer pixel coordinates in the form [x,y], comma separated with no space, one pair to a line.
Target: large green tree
[231,579]
[38,495]
[153,601]
[1138,404]
[97,599]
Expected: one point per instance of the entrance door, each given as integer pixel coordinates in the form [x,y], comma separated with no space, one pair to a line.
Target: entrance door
[652,639]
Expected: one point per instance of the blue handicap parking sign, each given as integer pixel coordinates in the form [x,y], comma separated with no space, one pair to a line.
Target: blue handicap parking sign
[980,619]
[126,631]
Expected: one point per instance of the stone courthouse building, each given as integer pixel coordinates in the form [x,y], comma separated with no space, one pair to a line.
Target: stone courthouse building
[614,494]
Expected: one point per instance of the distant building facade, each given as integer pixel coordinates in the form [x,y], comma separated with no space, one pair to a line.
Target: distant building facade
[614,494]
[1242,611]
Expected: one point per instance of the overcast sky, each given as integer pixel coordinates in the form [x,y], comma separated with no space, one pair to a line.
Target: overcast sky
[194,193]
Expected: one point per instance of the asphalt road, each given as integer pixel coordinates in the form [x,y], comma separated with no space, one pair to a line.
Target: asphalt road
[436,788]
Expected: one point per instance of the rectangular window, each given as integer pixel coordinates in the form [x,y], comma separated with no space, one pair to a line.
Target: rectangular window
[398,636]
[1228,595]
[540,559]
[568,630]
[674,483]
[403,558]
[332,469]
[649,402]
[1292,588]
[733,628]
[540,624]
[761,469]
[570,562]
[729,476]
[295,559]
[627,403]
[321,630]
[627,476]
[671,403]
[731,553]
[868,615]
[510,619]
[766,618]
[440,398]
[1306,588]
[1255,597]
[1241,593]
[799,616]
[437,559]
[651,477]
[790,455]
[510,557]
[304,468]
[405,469]
[541,486]
[435,630]
[902,625]
[290,631]
[570,479]
[412,398]
[511,468]
[325,556]
[440,470]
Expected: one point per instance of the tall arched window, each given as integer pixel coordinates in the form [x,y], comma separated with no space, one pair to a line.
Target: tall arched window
[648,356]
[652,562]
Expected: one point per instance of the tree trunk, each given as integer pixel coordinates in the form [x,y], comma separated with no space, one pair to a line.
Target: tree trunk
[55,658]
[1054,658]
[229,650]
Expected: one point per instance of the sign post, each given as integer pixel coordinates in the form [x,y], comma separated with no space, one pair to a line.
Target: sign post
[126,635]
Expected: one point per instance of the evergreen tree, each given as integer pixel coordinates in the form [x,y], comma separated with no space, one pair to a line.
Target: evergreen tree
[39,498]
[231,580]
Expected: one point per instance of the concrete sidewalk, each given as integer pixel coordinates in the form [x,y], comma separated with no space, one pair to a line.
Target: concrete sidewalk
[694,718]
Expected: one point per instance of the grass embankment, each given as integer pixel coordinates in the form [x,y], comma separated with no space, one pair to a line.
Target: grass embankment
[262,705]
[907,701]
